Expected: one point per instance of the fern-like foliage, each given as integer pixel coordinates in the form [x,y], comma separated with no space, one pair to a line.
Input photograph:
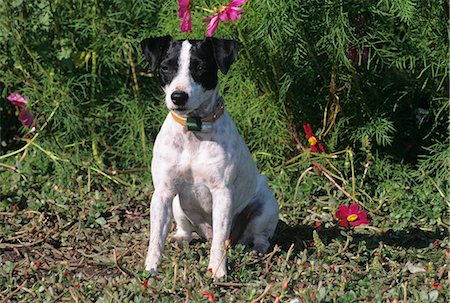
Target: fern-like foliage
[371,77]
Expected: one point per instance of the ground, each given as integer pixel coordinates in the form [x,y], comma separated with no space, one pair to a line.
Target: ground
[90,247]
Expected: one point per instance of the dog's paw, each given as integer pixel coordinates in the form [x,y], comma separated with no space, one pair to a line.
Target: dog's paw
[218,272]
[261,246]
[151,266]
[179,238]
[147,273]
[257,255]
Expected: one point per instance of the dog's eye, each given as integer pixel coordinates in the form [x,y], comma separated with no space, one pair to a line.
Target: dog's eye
[200,68]
[164,68]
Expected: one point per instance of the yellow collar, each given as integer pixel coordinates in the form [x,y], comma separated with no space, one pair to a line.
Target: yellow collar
[201,124]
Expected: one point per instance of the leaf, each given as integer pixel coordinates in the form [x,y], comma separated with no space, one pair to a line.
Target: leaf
[376,264]
[433,295]
[101,221]
[318,242]
[414,269]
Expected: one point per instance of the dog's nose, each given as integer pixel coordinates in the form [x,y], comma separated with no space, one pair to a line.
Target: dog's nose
[179,98]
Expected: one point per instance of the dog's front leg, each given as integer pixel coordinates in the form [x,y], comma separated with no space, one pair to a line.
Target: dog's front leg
[221,218]
[160,219]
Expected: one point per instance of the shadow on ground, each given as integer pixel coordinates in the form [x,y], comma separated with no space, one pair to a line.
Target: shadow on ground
[302,236]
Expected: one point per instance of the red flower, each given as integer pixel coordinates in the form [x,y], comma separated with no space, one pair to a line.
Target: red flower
[315,142]
[210,296]
[229,12]
[437,285]
[351,216]
[184,13]
[145,283]
[38,263]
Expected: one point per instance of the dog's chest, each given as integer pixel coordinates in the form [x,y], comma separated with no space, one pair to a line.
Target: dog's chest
[182,157]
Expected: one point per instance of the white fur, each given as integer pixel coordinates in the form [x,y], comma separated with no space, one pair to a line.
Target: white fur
[205,180]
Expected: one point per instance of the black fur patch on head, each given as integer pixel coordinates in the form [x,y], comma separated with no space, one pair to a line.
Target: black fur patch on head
[169,63]
[224,51]
[154,49]
[202,66]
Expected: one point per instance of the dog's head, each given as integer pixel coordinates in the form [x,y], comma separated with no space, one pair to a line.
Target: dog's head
[188,69]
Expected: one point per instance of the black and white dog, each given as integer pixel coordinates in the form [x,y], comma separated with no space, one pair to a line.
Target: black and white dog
[202,170]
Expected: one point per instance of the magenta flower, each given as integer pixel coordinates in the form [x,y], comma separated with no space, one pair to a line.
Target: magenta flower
[351,216]
[16,99]
[26,117]
[212,25]
[184,13]
[229,12]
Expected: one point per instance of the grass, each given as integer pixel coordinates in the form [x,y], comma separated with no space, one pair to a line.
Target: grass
[63,245]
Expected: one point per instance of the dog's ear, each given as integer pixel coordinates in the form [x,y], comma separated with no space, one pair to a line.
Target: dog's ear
[154,48]
[225,52]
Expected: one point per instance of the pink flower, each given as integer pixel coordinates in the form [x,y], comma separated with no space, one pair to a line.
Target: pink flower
[26,117]
[17,100]
[212,25]
[184,13]
[351,216]
[229,12]
[232,11]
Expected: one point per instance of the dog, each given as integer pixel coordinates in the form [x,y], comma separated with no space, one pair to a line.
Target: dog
[202,171]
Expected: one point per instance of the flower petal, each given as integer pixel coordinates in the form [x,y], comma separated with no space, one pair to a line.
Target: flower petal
[343,223]
[354,208]
[17,100]
[233,15]
[212,26]
[236,3]
[186,22]
[183,2]
[210,296]
[362,215]
[26,117]
[207,19]
[223,16]
[183,6]
[355,223]
[342,212]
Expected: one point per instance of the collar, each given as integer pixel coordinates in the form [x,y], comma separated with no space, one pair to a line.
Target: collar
[198,124]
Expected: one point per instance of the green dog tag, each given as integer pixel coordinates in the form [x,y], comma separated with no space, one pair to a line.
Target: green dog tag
[194,124]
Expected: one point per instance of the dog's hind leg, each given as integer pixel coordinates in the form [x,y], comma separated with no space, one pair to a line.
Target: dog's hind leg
[262,221]
[184,227]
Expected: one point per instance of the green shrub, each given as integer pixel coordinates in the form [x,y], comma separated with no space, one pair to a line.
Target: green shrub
[369,76]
